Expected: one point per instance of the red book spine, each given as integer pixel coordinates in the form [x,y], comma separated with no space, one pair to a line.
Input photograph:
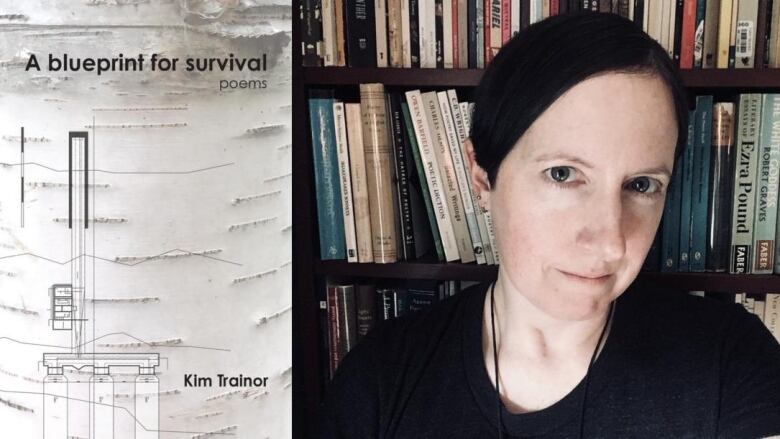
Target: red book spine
[506,21]
[486,16]
[555,7]
[688,30]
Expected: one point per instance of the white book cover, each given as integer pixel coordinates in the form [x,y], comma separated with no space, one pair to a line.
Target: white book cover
[450,181]
[514,22]
[456,135]
[427,21]
[772,314]
[359,180]
[380,18]
[342,151]
[425,143]
[405,35]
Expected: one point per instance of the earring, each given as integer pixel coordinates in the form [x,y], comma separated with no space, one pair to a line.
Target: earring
[479,197]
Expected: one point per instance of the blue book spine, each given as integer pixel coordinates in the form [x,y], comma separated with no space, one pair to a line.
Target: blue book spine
[687,161]
[670,232]
[326,180]
[701,183]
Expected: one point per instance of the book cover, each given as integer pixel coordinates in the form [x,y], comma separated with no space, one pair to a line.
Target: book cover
[698,34]
[403,189]
[745,38]
[765,219]
[687,165]
[365,306]
[711,32]
[670,225]
[721,183]
[359,183]
[345,181]
[360,38]
[702,157]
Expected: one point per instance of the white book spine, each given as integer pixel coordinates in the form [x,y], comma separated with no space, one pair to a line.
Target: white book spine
[342,151]
[532,12]
[405,32]
[456,134]
[427,17]
[514,21]
[672,19]
[450,181]
[380,18]
[448,35]
[760,309]
[772,315]
[428,154]
[359,179]
[328,33]
[744,53]
[463,35]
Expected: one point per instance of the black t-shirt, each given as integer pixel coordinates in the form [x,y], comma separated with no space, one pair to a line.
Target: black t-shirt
[673,365]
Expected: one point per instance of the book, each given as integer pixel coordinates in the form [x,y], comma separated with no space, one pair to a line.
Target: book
[342,152]
[395,33]
[711,32]
[686,166]
[702,156]
[415,41]
[772,314]
[380,31]
[342,318]
[698,35]
[326,176]
[720,193]
[403,191]
[379,172]
[687,36]
[744,184]
[365,308]
[670,227]
[462,53]
[328,32]
[359,35]
[745,34]
[311,32]
[359,181]
[406,50]
[765,221]
[724,32]
[733,33]
[338,17]
[438,22]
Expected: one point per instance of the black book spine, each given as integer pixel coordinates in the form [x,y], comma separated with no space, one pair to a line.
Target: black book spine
[622,8]
[639,12]
[359,33]
[472,27]
[414,32]
[605,5]
[439,26]
[678,19]
[525,13]
[763,28]
[365,299]
[719,207]
[402,173]
[311,32]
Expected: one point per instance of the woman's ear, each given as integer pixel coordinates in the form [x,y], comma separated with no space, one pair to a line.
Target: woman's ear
[479,178]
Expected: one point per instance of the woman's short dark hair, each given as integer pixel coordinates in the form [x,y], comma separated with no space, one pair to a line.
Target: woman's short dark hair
[543,61]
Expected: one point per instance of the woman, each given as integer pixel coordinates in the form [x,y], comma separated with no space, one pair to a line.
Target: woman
[576,127]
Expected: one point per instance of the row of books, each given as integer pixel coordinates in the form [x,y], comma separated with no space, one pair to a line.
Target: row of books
[349,311]
[721,210]
[391,178]
[469,33]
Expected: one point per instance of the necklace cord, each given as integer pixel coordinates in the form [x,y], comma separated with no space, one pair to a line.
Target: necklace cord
[500,426]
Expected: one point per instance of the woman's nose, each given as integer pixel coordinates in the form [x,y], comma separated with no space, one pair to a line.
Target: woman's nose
[603,232]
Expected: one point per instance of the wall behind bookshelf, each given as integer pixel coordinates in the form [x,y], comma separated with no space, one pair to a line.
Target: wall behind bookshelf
[310,271]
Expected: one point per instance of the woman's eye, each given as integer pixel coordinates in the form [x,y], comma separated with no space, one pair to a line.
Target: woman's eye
[644,185]
[559,173]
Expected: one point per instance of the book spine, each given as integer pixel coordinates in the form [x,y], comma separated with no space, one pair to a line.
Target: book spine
[422,298]
[773,52]
[338,15]
[406,53]
[764,227]
[463,35]
[724,29]
[687,34]
[342,152]
[333,329]
[415,41]
[744,184]
[453,124]
[358,176]
[394,33]
[506,21]
[762,20]
[311,32]
[472,34]
[447,168]
[698,36]
[702,157]
[711,32]
[347,319]
[328,32]
[525,14]
[683,262]
[428,154]
[733,34]
[495,27]
[514,25]
[487,17]
[719,213]
[400,302]
[675,28]
[438,32]
[418,163]
[745,45]
[772,315]
[379,156]
[670,232]
[326,179]
[639,13]
[365,305]
[449,30]
[360,36]
[386,301]
[480,27]
[402,173]
[380,30]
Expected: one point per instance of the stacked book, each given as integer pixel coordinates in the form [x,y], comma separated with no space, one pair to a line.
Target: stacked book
[469,33]
[392,178]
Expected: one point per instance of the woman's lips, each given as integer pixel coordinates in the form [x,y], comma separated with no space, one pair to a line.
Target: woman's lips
[594,279]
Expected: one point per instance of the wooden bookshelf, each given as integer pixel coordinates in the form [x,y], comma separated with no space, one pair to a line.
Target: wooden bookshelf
[309,270]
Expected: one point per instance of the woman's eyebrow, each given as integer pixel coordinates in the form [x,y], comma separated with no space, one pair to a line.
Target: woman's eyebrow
[662,170]
[563,156]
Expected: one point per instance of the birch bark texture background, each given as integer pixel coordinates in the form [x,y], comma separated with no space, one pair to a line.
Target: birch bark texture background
[188,247]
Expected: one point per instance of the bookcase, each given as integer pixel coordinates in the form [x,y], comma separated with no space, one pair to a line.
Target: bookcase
[308,269]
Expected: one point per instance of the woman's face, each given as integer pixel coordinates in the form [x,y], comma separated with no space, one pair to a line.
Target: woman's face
[579,198]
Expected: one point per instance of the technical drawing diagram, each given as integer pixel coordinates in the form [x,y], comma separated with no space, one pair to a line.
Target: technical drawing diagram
[145,240]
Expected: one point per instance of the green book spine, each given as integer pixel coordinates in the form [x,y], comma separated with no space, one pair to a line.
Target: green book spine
[701,178]
[744,184]
[423,181]
[698,36]
[686,164]
[765,222]
[670,233]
